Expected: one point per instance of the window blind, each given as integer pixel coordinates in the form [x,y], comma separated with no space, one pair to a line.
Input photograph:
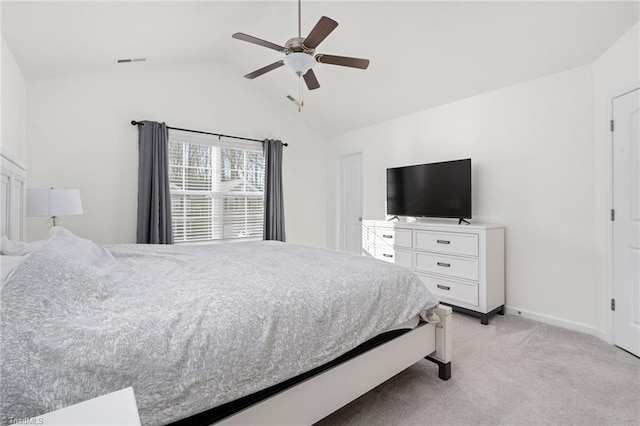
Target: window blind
[216,186]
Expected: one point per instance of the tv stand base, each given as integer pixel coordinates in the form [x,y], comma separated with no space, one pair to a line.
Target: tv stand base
[484,318]
[460,220]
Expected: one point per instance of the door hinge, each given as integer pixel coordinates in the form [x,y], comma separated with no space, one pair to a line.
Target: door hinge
[613,215]
[613,304]
[611,125]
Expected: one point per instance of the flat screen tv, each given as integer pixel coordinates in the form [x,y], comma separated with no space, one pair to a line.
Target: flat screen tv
[430,190]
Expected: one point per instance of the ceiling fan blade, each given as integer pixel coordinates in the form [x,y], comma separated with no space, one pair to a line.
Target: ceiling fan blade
[258,41]
[343,61]
[264,70]
[322,29]
[311,80]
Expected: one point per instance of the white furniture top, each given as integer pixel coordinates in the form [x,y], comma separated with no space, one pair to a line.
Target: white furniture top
[116,408]
[453,226]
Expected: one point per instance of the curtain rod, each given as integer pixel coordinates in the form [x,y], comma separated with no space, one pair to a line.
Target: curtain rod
[219,135]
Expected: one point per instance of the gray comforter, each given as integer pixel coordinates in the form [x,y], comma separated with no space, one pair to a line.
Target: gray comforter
[189,327]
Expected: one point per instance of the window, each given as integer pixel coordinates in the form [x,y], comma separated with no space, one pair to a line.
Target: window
[217,187]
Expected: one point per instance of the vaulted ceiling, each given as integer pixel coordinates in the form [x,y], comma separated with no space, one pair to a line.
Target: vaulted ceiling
[423,54]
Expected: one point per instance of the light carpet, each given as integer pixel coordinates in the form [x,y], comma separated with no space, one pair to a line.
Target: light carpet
[511,372]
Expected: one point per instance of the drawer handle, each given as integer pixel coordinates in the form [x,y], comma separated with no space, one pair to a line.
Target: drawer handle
[387,255]
[387,236]
[444,287]
[445,265]
[444,242]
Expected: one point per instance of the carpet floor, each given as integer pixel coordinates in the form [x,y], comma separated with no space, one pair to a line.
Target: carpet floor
[511,372]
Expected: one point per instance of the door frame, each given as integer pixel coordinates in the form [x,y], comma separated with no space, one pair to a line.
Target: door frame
[338,192]
[609,195]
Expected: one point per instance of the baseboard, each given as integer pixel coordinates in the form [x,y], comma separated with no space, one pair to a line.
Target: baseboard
[559,322]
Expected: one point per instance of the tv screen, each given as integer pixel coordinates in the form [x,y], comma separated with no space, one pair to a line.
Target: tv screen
[430,190]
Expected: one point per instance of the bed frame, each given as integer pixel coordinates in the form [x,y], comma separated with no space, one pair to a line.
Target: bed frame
[13,204]
[304,403]
[315,398]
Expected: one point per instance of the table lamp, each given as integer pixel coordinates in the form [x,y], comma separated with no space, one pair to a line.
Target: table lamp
[52,203]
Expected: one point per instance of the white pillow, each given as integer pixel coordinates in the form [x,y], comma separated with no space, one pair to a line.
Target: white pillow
[19,248]
[8,264]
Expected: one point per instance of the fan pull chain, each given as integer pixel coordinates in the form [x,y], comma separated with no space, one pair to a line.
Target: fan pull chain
[300,93]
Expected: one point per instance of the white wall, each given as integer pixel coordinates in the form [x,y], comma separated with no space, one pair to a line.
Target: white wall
[616,71]
[80,136]
[533,170]
[14,107]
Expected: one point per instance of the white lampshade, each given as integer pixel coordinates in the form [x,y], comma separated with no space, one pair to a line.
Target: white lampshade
[53,202]
[299,62]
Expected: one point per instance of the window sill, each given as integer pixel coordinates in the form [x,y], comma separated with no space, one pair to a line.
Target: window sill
[231,240]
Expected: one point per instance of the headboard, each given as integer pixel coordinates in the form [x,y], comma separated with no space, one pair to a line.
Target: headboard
[14,198]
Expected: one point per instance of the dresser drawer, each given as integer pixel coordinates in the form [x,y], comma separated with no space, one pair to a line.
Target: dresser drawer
[404,238]
[400,257]
[385,237]
[388,255]
[459,267]
[455,291]
[404,258]
[444,242]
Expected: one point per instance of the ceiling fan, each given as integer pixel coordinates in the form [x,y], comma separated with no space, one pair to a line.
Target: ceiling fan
[299,52]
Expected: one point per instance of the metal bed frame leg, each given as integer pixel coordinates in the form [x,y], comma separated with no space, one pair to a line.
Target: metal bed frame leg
[442,355]
[444,369]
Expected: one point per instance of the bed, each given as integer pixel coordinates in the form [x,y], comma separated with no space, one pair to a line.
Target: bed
[243,333]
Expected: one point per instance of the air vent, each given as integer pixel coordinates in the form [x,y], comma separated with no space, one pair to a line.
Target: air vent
[129,60]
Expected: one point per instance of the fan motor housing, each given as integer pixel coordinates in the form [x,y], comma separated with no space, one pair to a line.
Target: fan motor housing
[296,44]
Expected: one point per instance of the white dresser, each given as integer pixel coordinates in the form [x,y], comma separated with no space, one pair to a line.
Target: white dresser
[462,265]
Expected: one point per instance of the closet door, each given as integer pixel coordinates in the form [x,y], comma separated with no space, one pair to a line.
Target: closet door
[350,204]
[626,223]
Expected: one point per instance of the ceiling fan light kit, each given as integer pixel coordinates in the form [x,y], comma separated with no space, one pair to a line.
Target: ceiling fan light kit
[299,62]
[299,54]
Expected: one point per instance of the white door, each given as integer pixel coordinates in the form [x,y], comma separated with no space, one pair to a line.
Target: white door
[626,223]
[350,204]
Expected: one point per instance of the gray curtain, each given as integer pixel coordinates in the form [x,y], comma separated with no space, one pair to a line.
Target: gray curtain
[273,199]
[154,200]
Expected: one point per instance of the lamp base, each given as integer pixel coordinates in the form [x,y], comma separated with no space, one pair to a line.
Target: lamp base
[54,221]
